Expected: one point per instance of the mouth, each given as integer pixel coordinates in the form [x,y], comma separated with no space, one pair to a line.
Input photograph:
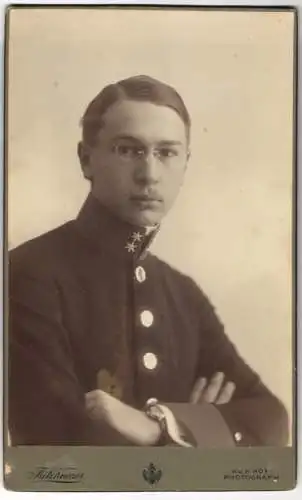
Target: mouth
[147,201]
[146,197]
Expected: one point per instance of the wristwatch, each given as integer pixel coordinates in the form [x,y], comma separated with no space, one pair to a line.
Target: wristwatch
[170,430]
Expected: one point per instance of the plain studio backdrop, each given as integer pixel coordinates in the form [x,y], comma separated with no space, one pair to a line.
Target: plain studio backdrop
[230,229]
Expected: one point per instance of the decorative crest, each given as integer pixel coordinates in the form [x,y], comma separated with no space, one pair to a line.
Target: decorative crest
[151,474]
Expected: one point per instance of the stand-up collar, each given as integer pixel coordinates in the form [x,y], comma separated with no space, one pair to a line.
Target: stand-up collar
[111,233]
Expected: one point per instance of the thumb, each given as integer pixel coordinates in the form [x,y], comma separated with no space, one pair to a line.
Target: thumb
[198,389]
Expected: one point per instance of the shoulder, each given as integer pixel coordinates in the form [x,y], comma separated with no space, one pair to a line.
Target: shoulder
[168,271]
[46,250]
[187,295]
[181,283]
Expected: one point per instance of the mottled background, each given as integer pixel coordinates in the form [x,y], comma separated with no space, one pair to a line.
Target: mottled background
[231,226]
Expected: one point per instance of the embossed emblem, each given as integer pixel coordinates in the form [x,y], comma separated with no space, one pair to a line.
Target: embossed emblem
[137,236]
[131,247]
[152,474]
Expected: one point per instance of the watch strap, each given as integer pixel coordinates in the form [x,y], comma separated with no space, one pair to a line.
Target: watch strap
[170,430]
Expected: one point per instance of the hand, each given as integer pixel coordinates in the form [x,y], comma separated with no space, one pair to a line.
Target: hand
[217,390]
[131,423]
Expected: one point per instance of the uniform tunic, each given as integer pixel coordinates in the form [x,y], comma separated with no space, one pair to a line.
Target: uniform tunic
[90,307]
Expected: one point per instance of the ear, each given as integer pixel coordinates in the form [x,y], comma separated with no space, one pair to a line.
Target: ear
[187,158]
[84,157]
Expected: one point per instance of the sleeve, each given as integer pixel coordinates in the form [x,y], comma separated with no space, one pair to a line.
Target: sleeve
[254,416]
[201,425]
[46,404]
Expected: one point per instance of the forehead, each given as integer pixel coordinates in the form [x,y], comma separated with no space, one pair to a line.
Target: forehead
[143,120]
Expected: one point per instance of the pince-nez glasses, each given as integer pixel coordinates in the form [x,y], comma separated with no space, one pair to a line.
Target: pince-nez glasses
[133,152]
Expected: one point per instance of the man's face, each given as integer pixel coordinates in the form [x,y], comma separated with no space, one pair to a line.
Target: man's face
[138,162]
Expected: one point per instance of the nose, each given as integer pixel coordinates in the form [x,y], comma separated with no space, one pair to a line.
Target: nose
[148,170]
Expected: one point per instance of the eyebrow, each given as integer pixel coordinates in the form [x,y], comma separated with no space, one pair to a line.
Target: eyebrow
[170,143]
[125,137]
[164,142]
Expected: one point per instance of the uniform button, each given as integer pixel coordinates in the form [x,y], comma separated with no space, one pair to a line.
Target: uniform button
[147,318]
[238,437]
[150,360]
[140,274]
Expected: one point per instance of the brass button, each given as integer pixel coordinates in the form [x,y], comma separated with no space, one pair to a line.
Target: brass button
[150,360]
[238,437]
[140,274]
[147,318]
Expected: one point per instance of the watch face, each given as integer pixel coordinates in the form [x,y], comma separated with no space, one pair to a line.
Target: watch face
[150,402]
[156,413]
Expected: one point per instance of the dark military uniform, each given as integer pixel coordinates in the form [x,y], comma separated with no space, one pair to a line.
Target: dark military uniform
[91,308]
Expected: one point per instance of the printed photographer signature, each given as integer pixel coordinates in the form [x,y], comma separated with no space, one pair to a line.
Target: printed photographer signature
[66,474]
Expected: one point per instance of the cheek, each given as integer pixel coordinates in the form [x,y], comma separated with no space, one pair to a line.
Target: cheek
[111,177]
[173,182]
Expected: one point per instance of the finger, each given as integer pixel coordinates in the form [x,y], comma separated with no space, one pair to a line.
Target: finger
[198,389]
[90,401]
[94,406]
[95,413]
[94,399]
[90,404]
[92,394]
[226,393]
[213,388]
[89,396]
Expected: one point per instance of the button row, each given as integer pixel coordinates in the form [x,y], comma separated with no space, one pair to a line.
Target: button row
[150,360]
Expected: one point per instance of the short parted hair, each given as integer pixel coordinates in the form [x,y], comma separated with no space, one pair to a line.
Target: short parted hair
[137,88]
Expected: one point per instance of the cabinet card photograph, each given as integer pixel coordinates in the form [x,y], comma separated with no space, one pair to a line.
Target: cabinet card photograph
[150,248]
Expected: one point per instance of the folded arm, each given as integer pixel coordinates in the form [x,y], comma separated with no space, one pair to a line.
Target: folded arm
[46,403]
[255,416]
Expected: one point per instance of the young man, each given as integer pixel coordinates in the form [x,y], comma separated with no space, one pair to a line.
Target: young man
[98,325]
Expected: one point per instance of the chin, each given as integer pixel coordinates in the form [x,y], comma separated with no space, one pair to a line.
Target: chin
[145,218]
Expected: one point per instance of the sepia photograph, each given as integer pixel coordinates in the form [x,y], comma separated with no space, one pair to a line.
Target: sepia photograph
[150,180]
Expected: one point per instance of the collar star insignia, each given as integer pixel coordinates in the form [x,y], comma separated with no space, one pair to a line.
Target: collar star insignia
[131,247]
[137,236]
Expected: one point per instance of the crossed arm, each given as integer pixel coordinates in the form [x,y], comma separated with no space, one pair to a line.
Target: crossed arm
[135,425]
[48,406]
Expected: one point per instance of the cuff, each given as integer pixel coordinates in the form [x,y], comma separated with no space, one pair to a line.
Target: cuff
[205,424]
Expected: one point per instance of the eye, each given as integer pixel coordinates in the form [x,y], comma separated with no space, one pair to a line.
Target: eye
[128,151]
[125,150]
[167,152]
